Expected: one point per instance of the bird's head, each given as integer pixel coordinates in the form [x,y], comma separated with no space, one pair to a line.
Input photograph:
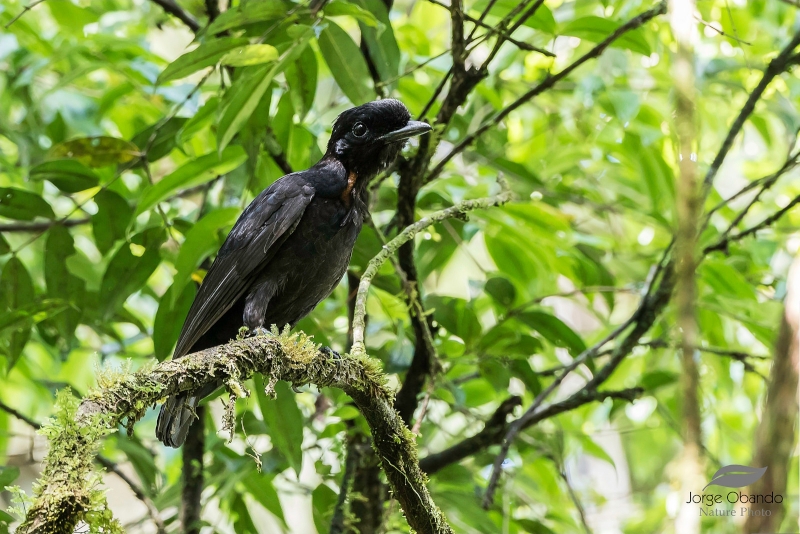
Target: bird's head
[368,138]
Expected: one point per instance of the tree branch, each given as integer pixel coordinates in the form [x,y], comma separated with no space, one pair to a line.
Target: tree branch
[60,499]
[172,7]
[406,235]
[192,475]
[781,63]
[726,240]
[494,429]
[152,509]
[41,226]
[546,84]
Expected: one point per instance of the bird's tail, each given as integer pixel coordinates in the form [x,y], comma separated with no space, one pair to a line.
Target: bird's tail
[176,416]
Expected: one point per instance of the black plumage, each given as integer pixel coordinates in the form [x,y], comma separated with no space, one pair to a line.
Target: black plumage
[291,245]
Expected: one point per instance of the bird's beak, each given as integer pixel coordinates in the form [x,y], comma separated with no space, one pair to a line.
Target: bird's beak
[409,130]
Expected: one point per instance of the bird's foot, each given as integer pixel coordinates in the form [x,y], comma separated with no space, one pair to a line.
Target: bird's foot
[258,331]
[331,353]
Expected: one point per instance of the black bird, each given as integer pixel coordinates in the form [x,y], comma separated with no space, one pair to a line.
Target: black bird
[291,245]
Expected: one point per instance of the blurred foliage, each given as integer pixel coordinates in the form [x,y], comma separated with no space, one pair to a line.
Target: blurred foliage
[131,145]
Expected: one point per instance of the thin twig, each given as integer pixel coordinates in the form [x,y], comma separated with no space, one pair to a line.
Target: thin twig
[24,10]
[407,234]
[546,84]
[778,65]
[172,7]
[41,226]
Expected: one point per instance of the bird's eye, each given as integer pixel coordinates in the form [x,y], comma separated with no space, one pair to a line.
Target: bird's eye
[359,130]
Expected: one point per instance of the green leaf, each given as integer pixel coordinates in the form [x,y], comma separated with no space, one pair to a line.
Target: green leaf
[593,449]
[656,379]
[323,502]
[726,281]
[501,290]
[541,20]
[254,54]
[142,460]
[596,29]
[16,294]
[532,526]
[169,319]
[4,246]
[302,79]
[31,314]
[205,55]
[201,119]
[346,64]
[165,138]
[69,175]
[285,421]
[380,41]
[201,241]
[99,151]
[195,172]
[8,474]
[261,488]
[339,8]
[554,330]
[248,90]
[249,12]
[23,205]
[110,223]
[60,282]
[127,273]
[456,316]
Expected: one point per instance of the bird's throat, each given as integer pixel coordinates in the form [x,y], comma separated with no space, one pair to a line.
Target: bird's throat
[347,194]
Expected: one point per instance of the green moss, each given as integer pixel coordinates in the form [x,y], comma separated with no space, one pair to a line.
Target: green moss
[69,489]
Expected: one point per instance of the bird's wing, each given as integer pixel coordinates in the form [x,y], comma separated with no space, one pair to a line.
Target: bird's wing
[252,243]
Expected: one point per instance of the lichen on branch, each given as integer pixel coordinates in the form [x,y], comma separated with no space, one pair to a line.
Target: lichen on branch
[68,492]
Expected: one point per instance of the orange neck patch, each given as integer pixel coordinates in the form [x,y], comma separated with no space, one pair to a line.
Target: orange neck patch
[351,182]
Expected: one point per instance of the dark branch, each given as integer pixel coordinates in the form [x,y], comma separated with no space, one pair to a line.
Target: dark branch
[780,64]
[172,7]
[546,84]
[34,227]
[494,430]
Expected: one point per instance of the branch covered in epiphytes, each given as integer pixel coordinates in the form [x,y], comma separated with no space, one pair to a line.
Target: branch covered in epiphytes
[110,466]
[67,490]
[505,195]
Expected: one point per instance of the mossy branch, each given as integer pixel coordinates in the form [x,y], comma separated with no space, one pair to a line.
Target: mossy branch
[68,490]
[459,210]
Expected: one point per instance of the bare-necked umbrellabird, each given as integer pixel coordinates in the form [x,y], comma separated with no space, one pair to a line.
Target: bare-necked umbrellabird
[291,245]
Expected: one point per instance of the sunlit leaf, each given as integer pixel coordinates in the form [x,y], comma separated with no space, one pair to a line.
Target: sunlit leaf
[346,64]
[596,29]
[285,421]
[254,54]
[98,151]
[126,273]
[68,175]
[247,13]
[195,172]
[205,55]
[246,93]
[23,205]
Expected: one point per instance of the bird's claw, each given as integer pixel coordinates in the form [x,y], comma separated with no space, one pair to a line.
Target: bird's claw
[332,353]
[258,331]
[335,356]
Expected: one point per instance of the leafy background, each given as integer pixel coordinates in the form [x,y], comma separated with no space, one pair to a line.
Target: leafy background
[129,145]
